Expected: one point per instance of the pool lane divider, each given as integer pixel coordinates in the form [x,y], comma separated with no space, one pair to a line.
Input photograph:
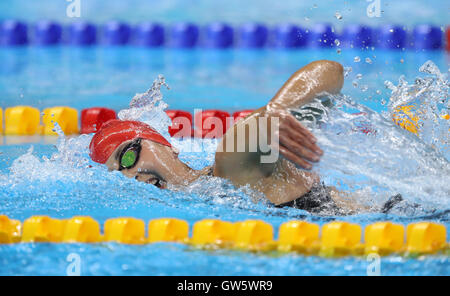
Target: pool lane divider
[334,239]
[220,35]
[26,121]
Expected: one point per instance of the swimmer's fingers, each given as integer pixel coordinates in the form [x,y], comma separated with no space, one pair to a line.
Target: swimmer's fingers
[298,148]
[294,158]
[297,126]
[297,139]
[289,122]
[295,142]
[300,137]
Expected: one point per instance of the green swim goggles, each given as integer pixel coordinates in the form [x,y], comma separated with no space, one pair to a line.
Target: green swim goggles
[130,155]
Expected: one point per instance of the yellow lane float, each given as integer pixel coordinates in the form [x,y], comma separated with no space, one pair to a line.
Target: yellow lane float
[43,229]
[405,117]
[333,239]
[340,239]
[168,230]
[213,232]
[22,121]
[10,230]
[82,230]
[1,120]
[254,235]
[125,230]
[425,237]
[384,238]
[299,236]
[67,119]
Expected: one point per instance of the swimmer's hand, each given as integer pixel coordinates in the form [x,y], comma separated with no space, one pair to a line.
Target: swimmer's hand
[294,141]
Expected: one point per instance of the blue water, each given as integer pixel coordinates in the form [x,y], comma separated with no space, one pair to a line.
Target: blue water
[229,80]
[61,189]
[173,259]
[233,11]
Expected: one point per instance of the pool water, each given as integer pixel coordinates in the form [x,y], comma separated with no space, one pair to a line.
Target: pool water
[226,79]
[61,189]
[60,184]
[234,11]
[57,179]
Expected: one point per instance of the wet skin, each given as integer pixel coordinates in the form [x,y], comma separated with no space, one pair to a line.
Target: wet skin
[284,180]
[157,165]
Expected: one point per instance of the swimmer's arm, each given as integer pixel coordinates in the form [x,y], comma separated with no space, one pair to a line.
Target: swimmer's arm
[313,80]
[296,142]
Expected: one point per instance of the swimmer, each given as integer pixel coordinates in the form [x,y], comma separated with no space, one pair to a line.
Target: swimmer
[139,152]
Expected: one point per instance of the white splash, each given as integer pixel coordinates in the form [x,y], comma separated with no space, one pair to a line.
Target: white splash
[429,97]
[366,153]
[149,107]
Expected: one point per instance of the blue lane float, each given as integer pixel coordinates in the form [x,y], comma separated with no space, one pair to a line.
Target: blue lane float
[47,33]
[13,33]
[184,35]
[356,36]
[289,36]
[322,35]
[149,34]
[253,35]
[218,35]
[426,37]
[116,33]
[221,35]
[82,34]
[391,37]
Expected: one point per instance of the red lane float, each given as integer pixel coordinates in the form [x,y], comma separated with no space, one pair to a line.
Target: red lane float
[211,123]
[208,123]
[447,37]
[181,123]
[365,127]
[93,118]
[238,115]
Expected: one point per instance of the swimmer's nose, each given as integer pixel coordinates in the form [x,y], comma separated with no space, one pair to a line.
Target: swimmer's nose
[152,180]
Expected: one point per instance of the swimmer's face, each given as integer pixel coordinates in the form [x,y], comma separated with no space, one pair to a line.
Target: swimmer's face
[149,162]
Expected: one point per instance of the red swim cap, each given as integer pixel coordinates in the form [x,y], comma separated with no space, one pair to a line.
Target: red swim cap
[115,132]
